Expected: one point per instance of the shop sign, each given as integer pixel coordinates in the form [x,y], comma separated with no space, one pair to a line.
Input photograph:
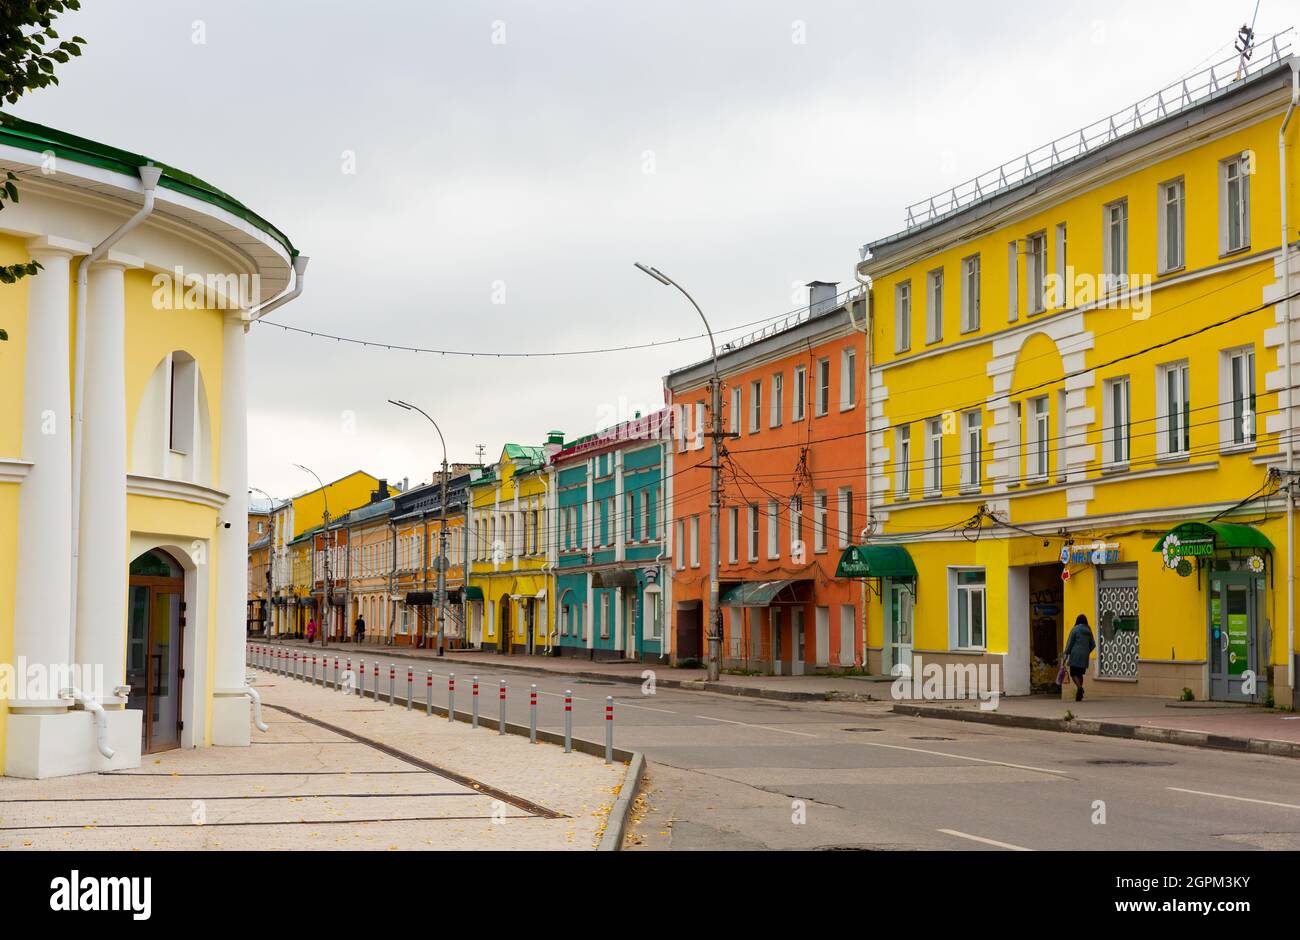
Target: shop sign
[1173,549]
[1098,553]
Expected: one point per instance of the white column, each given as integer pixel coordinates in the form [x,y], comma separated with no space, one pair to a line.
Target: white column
[230,707]
[102,545]
[43,600]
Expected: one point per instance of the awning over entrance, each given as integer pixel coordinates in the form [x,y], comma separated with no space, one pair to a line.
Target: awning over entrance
[876,561]
[473,593]
[753,593]
[419,598]
[1198,539]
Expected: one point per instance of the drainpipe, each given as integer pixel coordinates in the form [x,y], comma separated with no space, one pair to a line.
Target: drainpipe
[149,176]
[257,704]
[865,329]
[1290,391]
[97,711]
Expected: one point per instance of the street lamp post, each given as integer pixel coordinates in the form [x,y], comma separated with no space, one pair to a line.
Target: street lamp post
[442,524]
[329,610]
[714,613]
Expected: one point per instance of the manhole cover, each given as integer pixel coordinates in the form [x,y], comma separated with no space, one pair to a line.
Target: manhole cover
[1120,762]
[859,729]
[931,737]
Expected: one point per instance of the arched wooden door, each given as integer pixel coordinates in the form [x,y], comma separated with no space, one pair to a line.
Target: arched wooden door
[155,647]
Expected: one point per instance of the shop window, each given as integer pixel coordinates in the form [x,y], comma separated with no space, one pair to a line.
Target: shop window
[967,609]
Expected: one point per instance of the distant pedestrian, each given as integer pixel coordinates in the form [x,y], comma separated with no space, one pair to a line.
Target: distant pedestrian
[1078,647]
[311,630]
[359,629]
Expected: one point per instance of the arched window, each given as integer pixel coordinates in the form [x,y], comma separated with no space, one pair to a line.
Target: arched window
[173,434]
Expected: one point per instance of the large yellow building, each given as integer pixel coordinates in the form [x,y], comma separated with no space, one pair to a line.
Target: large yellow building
[507,592]
[123,454]
[1076,367]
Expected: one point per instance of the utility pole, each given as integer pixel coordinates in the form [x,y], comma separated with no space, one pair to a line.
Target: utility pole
[442,527]
[714,623]
[328,609]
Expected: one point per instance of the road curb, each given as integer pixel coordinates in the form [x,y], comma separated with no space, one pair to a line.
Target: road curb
[620,814]
[1107,729]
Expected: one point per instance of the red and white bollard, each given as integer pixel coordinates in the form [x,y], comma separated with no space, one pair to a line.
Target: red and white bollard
[451,696]
[473,718]
[609,729]
[410,673]
[501,723]
[568,721]
[392,681]
[428,692]
[532,714]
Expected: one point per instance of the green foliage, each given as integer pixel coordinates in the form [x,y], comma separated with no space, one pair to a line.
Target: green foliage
[1188,695]
[30,48]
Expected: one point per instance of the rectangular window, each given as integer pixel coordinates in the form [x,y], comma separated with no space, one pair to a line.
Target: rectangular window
[800,406]
[934,457]
[823,386]
[1115,432]
[796,528]
[819,521]
[653,619]
[903,317]
[934,307]
[1172,433]
[1172,227]
[848,378]
[737,409]
[753,532]
[1040,414]
[970,294]
[1015,436]
[846,516]
[733,534]
[1240,397]
[606,613]
[629,517]
[695,541]
[1062,262]
[972,450]
[679,530]
[1115,247]
[755,406]
[773,529]
[1062,435]
[778,400]
[1234,204]
[902,460]
[969,597]
[1013,281]
[1036,271]
[698,442]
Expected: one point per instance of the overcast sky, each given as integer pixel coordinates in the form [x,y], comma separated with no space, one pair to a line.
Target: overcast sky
[531,151]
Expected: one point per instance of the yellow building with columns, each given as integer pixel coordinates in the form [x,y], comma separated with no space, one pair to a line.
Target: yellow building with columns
[1079,404]
[123,463]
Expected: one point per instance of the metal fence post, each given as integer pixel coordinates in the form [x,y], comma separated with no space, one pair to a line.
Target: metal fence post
[568,721]
[473,723]
[532,714]
[361,685]
[336,673]
[428,693]
[375,675]
[609,729]
[409,692]
[451,696]
[501,724]
[313,668]
[348,670]
[392,681]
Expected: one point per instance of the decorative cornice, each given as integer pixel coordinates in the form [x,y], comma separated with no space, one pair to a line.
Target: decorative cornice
[160,488]
[13,470]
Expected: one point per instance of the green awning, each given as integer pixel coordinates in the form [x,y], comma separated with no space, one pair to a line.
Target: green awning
[473,593]
[1193,539]
[753,593]
[876,561]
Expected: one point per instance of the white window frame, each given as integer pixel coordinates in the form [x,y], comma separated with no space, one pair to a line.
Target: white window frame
[1013,281]
[970,294]
[776,406]
[755,405]
[972,450]
[903,317]
[1173,436]
[967,598]
[1171,225]
[1036,273]
[1062,435]
[1234,174]
[1115,245]
[819,521]
[845,513]
[753,540]
[1014,447]
[902,461]
[823,401]
[733,534]
[695,541]
[934,306]
[799,407]
[848,378]
[1117,426]
[1040,439]
[737,408]
[773,529]
[679,529]
[1237,399]
[934,457]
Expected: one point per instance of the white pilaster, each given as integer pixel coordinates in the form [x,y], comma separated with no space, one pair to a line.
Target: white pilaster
[43,599]
[102,543]
[230,706]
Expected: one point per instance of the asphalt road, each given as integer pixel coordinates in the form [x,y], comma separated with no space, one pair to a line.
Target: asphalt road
[736,773]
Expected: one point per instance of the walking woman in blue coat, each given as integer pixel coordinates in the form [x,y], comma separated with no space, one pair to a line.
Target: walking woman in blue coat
[1078,647]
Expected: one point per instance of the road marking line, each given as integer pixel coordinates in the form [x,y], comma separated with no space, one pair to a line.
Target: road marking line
[1229,796]
[803,734]
[644,707]
[576,698]
[978,760]
[1001,845]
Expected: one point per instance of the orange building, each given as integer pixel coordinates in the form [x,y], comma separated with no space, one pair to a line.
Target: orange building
[793,492]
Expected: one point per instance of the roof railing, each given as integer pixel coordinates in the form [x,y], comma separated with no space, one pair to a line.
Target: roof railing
[792,319]
[1179,96]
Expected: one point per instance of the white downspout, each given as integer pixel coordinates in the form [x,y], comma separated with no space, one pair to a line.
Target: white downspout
[149,176]
[1290,391]
[101,720]
[257,703]
[865,329]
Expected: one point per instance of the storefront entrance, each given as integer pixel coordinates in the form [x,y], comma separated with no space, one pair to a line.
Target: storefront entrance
[898,636]
[1233,602]
[155,645]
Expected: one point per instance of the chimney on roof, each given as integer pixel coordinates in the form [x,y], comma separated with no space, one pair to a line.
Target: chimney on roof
[821,296]
[382,493]
[554,443]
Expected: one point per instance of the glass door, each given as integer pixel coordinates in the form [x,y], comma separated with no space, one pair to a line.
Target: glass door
[1232,637]
[898,641]
[155,648]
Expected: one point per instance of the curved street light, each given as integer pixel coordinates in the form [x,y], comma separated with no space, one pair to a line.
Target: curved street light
[328,546]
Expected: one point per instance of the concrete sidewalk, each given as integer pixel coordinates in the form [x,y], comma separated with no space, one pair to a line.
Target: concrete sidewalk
[1217,725]
[781,688]
[333,772]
